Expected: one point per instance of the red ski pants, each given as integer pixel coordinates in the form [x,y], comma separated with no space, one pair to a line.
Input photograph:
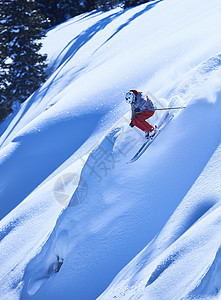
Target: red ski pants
[139,120]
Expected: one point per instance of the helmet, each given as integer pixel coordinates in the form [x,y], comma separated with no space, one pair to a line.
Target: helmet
[131,96]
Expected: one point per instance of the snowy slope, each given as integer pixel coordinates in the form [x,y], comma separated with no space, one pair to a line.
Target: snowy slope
[184,259]
[70,141]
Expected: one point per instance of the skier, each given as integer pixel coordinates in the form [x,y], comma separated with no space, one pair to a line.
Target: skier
[142,109]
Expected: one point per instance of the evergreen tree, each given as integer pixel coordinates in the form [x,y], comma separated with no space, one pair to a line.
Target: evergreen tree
[68,9]
[88,5]
[49,8]
[131,3]
[22,68]
[5,106]
[58,11]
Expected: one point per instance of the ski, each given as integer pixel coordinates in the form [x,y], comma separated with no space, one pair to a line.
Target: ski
[165,121]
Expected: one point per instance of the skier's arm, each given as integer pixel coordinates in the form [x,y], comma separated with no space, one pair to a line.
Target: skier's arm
[133,109]
[149,104]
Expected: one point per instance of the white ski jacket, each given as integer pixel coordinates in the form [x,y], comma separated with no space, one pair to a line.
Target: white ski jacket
[143,102]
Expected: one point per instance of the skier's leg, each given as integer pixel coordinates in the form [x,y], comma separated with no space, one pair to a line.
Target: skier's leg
[139,121]
[147,115]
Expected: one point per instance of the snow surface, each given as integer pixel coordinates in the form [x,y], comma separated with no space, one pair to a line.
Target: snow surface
[66,189]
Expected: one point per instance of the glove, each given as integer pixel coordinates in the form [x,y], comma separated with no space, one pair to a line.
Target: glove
[131,124]
[137,110]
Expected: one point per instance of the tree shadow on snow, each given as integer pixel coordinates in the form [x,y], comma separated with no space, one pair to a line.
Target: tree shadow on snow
[135,16]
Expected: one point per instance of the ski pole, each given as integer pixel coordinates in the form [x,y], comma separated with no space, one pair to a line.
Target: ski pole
[166,108]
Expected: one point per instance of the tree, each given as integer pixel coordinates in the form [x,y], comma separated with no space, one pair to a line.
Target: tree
[131,3]
[88,5]
[22,67]
[5,106]
[68,9]
[49,8]
[58,11]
